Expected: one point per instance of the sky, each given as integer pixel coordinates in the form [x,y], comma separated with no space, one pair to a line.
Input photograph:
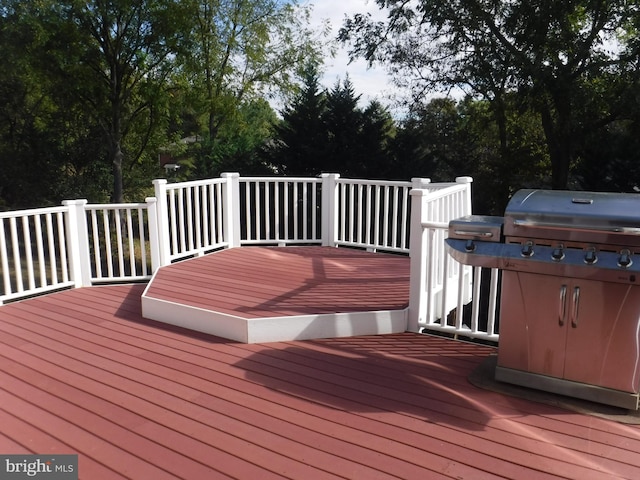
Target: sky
[371,83]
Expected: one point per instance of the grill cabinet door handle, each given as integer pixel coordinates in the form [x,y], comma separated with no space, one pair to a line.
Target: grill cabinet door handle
[563,305]
[576,304]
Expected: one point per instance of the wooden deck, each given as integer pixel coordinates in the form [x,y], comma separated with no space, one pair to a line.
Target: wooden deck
[82,372]
[266,294]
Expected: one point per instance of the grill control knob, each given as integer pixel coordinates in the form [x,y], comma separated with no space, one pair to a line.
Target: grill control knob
[470,246]
[527,249]
[558,253]
[590,256]
[624,260]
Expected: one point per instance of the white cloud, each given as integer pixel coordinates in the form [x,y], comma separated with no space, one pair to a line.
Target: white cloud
[372,83]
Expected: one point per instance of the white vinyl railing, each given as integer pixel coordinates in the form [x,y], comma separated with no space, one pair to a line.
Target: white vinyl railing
[441,288]
[373,214]
[76,245]
[280,210]
[79,244]
[121,241]
[33,252]
[193,217]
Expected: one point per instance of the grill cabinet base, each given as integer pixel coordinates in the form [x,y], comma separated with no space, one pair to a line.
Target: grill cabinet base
[568,388]
[576,337]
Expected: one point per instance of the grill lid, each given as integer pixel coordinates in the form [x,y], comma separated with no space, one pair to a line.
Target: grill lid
[578,216]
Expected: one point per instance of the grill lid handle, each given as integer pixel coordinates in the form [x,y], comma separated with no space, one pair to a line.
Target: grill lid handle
[582,228]
[582,201]
[467,233]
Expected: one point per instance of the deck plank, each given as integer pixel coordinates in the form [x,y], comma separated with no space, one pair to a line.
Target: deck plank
[82,372]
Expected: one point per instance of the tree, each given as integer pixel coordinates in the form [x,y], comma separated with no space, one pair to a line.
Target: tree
[237,51]
[239,142]
[498,170]
[48,143]
[562,59]
[327,131]
[611,158]
[301,137]
[22,95]
[344,122]
[118,66]
[378,132]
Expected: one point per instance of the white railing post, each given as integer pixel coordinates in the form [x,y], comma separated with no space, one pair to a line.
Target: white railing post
[466,181]
[418,261]
[162,222]
[231,208]
[329,209]
[154,232]
[78,242]
[420,182]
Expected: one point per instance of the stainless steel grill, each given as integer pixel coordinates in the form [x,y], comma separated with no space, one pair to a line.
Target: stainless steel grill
[570,299]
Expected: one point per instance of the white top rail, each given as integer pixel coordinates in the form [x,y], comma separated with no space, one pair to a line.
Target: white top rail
[114,206]
[384,183]
[32,212]
[282,179]
[194,183]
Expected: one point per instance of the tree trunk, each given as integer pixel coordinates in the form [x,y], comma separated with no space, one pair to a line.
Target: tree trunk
[115,147]
[560,154]
[558,136]
[116,163]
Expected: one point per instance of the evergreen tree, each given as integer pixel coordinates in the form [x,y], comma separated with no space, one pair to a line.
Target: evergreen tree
[378,132]
[344,123]
[301,138]
[328,132]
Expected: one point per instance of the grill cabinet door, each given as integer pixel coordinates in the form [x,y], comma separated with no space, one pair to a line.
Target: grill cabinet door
[574,329]
[603,342]
[532,323]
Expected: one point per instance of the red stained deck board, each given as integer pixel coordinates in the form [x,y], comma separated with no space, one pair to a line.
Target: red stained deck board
[407,401]
[254,282]
[81,371]
[211,440]
[307,357]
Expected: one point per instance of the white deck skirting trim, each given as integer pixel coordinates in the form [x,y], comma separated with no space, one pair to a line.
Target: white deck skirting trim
[274,329]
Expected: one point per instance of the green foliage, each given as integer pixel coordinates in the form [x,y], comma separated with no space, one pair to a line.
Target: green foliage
[46,143]
[557,58]
[326,131]
[237,144]
[236,53]
[446,138]
[300,144]
[376,137]
[344,123]
[93,91]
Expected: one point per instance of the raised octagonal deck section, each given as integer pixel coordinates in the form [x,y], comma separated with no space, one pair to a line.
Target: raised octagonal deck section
[266,294]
